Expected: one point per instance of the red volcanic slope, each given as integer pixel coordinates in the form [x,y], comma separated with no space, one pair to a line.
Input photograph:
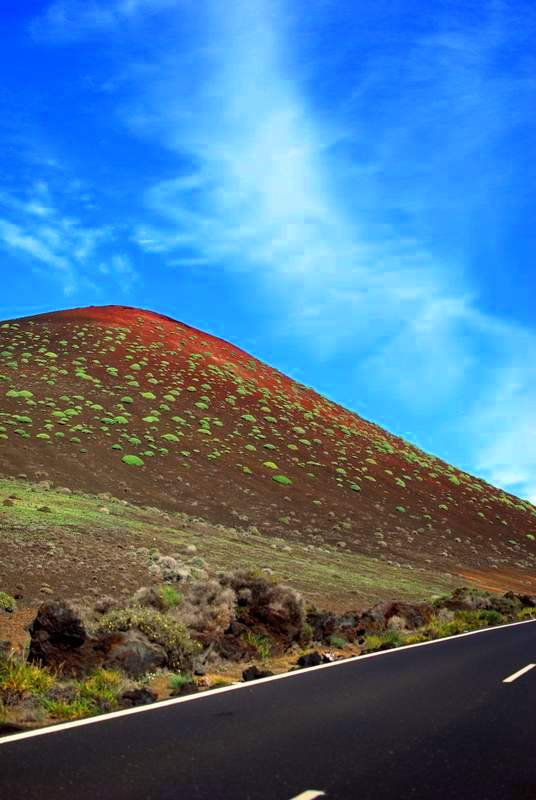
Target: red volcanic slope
[132,402]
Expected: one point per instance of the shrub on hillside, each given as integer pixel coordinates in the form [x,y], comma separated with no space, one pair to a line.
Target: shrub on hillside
[7,603]
[158,628]
[208,607]
[277,608]
[526,613]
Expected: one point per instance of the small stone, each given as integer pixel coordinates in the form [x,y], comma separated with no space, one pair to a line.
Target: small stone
[313,659]
[137,696]
[186,688]
[253,673]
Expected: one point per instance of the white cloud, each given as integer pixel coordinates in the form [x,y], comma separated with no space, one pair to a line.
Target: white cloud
[43,235]
[504,427]
[120,267]
[17,238]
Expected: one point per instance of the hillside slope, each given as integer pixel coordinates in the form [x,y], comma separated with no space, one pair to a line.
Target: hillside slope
[135,404]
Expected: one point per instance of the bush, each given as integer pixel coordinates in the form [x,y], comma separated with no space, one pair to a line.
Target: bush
[69,710]
[133,461]
[464,621]
[277,609]
[491,617]
[307,633]
[171,598]
[390,638]
[100,690]
[526,613]
[162,630]
[260,643]
[337,641]
[282,479]
[17,678]
[7,603]
[176,682]
[208,607]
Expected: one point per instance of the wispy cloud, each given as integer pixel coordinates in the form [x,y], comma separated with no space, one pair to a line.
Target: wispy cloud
[120,267]
[505,428]
[35,229]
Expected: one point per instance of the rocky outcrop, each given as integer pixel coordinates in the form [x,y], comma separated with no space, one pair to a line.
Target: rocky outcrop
[134,654]
[527,600]
[468,599]
[409,616]
[60,639]
[276,610]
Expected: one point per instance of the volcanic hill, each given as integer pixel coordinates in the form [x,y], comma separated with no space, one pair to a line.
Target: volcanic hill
[129,402]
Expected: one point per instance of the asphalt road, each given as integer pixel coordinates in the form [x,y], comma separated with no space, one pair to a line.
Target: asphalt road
[428,722]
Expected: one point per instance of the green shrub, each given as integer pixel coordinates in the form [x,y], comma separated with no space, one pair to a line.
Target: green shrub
[68,711]
[307,633]
[100,690]
[171,597]
[177,681]
[374,642]
[464,621]
[526,613]
[282,479]
[7,603]
[171,635]
[337,641]
[491,617]
[262,644]
[18,678]
[134,461]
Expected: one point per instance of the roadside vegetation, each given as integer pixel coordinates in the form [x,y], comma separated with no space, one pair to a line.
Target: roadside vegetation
[163,643]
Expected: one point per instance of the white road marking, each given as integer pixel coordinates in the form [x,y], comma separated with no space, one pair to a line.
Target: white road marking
[245,686]
[518,674]
[309,794]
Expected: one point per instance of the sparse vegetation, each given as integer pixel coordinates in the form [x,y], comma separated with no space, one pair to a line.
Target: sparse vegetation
[18,678]
[7,603]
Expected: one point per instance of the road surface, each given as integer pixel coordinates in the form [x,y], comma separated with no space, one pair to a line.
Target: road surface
[446,721]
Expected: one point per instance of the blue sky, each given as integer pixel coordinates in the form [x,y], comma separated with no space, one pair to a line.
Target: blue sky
[344,189]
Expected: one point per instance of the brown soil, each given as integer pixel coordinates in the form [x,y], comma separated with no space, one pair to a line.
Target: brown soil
[14,627]
[504,580]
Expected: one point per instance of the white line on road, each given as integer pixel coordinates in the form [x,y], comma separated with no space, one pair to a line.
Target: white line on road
[309,794]
[249,686]
[518,674]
